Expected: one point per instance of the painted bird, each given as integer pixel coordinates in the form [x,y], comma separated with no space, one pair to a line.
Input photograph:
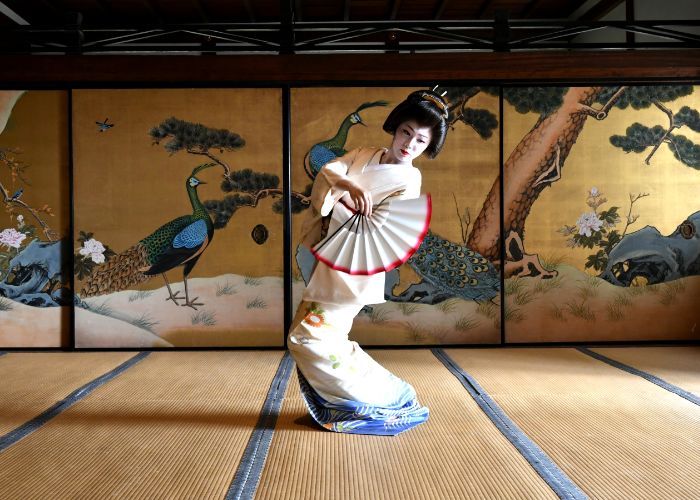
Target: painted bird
[104,126]
[455,270]
[179,242]
[325,151]
[17,194]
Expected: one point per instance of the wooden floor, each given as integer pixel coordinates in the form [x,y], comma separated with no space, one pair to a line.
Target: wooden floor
[620,423]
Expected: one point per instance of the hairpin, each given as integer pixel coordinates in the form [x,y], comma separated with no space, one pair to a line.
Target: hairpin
[437,102]
[443,93]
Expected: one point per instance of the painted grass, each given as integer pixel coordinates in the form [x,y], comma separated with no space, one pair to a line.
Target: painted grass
[407,308]
[557,313]
[447,306]
[103,308]
[543,286]
[205,318]
[670,292]
[466,323]
[581,310]
[378,315]
[523,297]
[513,285]
[145,322]
[252,281]
[513,314]
[415,333]
[615,311]
[552,262]
[488,309]
[256,303]
[225,289]
[140,295]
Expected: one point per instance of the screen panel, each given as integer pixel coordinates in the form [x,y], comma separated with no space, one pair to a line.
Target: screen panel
[421,307]
[178,220]
[35,294]
[601,213]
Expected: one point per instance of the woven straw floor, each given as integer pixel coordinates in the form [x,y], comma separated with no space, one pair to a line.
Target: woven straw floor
[180,424]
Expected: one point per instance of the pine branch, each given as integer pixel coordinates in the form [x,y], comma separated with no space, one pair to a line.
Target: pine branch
[602,113]
[672,125]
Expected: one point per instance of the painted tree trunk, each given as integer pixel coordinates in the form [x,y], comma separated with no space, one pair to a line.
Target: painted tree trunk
[534,164]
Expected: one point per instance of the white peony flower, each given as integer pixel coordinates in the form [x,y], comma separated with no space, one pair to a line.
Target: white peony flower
[594,191]
[97,258]
[11,238]
[94,249]
[588,222]
[20,221]
[92,246]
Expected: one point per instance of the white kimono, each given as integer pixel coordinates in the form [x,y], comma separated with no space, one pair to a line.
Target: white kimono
[327,285]
[344,389]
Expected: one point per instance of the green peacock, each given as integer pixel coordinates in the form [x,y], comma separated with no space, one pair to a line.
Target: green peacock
[325,151]
[179,242]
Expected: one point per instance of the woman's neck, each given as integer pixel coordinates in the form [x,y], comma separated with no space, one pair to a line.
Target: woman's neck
[389,159]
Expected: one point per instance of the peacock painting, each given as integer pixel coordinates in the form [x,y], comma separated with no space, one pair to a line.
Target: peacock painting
[452,270]
[325,151]
[179,242]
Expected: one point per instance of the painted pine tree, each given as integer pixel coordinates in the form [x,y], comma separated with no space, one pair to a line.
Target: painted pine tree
[538,160]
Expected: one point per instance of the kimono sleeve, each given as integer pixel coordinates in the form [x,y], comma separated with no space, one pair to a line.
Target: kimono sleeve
[324,195]
[413,184]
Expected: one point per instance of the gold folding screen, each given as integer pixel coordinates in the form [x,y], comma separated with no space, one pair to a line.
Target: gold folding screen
[35,298]
[599,209]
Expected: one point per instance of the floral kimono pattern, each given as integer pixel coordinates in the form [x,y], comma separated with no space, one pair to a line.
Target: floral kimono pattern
[344,389]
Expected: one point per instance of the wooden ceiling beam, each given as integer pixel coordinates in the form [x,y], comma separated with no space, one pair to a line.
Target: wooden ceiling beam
[506,67]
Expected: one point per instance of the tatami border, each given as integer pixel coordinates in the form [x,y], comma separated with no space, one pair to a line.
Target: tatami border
[640,373]
[32,425]
[247,477]
[550,472]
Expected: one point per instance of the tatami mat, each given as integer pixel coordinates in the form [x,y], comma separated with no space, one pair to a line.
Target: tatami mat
[615,434]
[172,426]
[676,365]
[457,454]
[33,382]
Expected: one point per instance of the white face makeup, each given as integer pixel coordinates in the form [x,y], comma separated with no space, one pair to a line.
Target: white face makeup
[410,140]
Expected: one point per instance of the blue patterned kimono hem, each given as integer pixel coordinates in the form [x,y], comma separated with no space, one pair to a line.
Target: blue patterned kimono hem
[353,417]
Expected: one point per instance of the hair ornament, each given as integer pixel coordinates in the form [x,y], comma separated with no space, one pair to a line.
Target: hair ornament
[438,102]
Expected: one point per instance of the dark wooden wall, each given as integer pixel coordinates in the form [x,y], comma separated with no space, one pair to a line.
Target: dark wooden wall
[530,67]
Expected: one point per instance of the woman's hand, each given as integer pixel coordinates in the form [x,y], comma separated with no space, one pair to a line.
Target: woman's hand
[361,197]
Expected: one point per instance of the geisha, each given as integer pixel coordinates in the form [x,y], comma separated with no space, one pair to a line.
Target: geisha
[344,389]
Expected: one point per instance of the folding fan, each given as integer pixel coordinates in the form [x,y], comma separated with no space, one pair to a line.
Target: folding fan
[378,243]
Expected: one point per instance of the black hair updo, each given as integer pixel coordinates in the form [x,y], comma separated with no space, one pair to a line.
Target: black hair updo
[428,109]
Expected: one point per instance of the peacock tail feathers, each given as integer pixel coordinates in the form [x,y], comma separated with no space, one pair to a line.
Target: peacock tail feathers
[118,273]
[455,269]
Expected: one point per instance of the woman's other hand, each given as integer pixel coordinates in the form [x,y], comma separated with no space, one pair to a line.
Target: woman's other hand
[361,197]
